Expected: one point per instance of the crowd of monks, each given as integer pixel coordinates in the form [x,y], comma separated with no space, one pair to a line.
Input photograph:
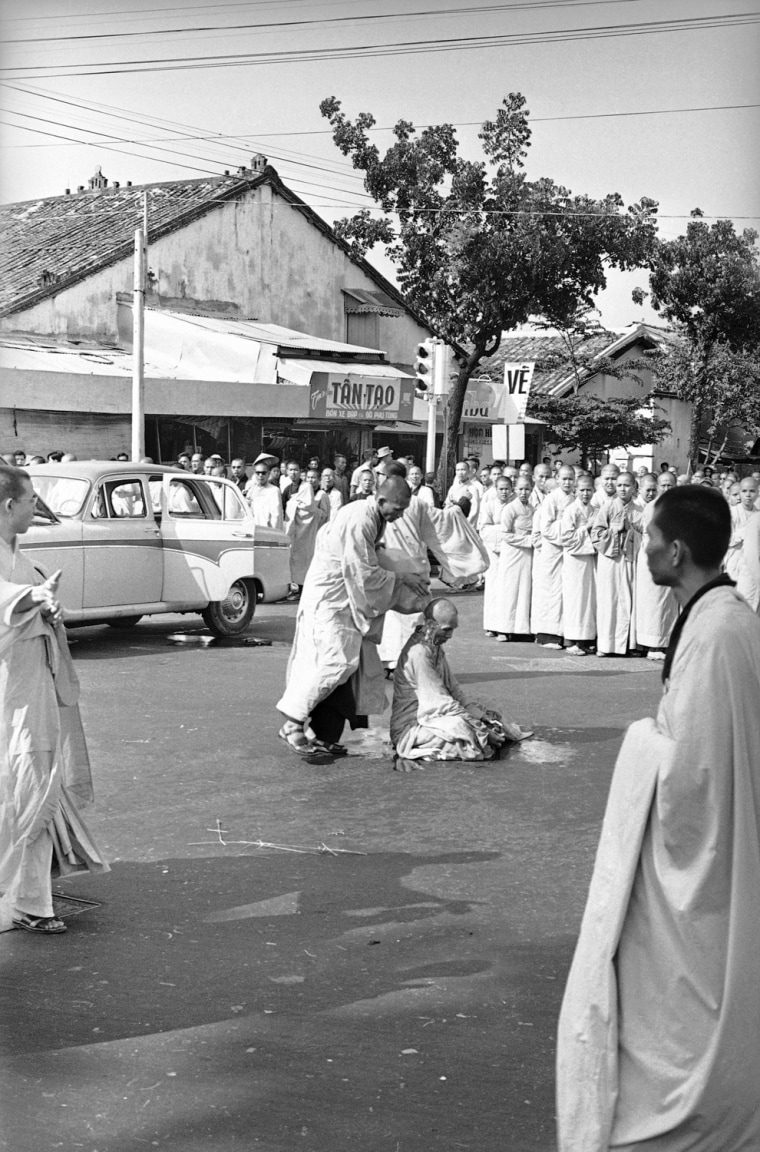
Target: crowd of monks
[568,556]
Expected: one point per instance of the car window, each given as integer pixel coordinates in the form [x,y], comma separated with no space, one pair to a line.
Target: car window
[183,502]
[155,487]
[228,501]
[119,500]
[64,495]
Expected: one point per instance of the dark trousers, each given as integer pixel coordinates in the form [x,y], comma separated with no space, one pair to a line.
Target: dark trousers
[329,717]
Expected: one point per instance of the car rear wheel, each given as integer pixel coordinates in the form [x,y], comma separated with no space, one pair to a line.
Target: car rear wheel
[123,621]
[231,616]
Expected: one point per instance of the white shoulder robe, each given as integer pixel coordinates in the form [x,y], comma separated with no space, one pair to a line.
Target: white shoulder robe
[656,607]
[578,573]
[515,569]
[546,609]
[345,595]
[489,528]
[659,1033]
[736,565]
[616,533]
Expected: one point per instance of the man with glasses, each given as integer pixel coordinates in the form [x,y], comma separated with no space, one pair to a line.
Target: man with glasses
[264,498]
[238,474]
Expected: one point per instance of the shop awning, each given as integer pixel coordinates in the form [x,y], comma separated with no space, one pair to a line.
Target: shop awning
[294,371]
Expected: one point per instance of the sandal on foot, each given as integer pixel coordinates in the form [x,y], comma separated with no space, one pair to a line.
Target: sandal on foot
[49,925]
[329,749]
[293,735]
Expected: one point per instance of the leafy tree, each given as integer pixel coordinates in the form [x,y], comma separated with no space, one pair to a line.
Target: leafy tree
[707,283]
[478,247]
[592,426]
[721,383]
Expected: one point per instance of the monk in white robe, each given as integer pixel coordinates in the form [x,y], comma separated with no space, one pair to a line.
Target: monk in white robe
[541,489]
[656,606]
[579,571]
[303,519]
[431,719]
[489,528]
[607,489]
[44,768]
[659,1034]
[546,607]
[616,533]
[515,572]
[339,623]
[741,515]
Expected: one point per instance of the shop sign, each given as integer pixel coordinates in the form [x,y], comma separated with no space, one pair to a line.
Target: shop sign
[517,381]
[335,396]
[476,441]
[484,401]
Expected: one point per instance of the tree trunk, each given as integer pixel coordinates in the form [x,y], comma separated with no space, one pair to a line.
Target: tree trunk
[452,419]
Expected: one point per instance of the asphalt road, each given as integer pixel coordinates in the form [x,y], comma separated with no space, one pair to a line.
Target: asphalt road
[395,991]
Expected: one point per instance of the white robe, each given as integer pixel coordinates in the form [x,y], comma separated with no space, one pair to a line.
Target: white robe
[303,519]
[616,533]
[578,573]
[44,768]
[470,489]
[659,1034]
[422,529]
[515,569]
[489,528]
[736,565]
[546,608]
[656,607]
[265,504]
[345,596]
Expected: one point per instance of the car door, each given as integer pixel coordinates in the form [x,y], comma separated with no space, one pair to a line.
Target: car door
[123,560]
[207,542]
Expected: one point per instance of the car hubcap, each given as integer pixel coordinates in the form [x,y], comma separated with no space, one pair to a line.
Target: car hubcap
[236,604]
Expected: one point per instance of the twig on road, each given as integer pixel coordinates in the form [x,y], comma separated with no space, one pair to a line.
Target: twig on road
[319,850]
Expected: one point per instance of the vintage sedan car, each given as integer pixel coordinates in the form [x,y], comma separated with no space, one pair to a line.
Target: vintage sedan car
[134,540]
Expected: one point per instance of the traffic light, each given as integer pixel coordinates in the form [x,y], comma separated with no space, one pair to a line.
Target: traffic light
[423,367]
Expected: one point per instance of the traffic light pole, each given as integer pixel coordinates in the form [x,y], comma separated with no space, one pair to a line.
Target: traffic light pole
[431,428]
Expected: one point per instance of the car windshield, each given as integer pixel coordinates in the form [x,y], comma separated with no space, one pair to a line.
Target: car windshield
[64,495]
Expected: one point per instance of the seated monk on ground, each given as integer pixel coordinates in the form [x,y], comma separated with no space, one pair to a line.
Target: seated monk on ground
[430,718]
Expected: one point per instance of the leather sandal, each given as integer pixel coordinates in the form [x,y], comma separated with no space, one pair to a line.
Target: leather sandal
[48,925]
[293,734]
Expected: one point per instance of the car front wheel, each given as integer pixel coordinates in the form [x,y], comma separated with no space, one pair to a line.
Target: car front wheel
[231,616]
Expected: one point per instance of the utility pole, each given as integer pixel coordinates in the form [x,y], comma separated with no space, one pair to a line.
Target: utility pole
[138,349]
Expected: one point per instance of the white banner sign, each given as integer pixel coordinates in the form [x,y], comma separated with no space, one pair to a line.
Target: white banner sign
[517,381]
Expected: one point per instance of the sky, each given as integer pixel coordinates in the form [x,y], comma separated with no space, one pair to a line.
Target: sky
[657,98]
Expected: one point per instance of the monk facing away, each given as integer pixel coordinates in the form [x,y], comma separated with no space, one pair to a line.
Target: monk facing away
[659,1033]
[431,719]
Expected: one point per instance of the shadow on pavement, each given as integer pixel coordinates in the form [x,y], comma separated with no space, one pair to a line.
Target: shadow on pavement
[276,1001]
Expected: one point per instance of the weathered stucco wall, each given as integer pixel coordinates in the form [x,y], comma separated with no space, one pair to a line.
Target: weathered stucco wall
[259,255]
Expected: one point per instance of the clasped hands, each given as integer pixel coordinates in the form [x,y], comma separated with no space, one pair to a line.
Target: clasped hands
[46,595]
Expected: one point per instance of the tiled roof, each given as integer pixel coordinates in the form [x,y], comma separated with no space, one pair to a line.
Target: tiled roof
[50,244]
[554,375]
[53,243]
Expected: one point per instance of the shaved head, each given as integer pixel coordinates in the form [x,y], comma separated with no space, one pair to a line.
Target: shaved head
[441,610]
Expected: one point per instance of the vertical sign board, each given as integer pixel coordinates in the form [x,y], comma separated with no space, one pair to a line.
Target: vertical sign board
[334,396]
[517,381]
[509,441]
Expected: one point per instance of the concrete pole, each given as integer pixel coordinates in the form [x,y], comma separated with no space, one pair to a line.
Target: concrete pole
[138,349]
[430,449]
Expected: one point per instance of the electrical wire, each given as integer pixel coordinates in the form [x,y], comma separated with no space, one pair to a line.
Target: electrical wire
[324,21]
[399,48]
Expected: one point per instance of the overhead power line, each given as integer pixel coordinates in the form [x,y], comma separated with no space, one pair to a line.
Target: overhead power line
[389,127]
[322,21]
[400,48]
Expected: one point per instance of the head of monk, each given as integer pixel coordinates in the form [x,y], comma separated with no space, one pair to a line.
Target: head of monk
[393,497]
[566,479]
[584,489]
[647,488]
[523,489]
[625,486]
[503,490]
[690,529]
[665,481]
[610,473]
[441,620]
[748,493]
[541,475]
